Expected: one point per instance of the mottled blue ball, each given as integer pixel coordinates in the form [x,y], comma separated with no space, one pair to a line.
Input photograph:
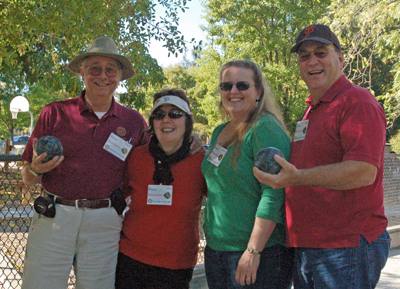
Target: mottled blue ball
[265,160]
[49,144]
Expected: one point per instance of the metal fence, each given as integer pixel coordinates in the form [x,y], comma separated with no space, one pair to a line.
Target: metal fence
[16,201]
[16,209]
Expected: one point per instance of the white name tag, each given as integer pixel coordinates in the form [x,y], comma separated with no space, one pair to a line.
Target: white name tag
[117,146]
[301,130]
[159,195]
[217,155]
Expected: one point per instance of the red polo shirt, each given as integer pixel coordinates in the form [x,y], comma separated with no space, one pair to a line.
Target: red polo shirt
[88,171]
[346,124]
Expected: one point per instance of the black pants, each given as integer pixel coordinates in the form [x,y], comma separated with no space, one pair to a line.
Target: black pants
[132,274]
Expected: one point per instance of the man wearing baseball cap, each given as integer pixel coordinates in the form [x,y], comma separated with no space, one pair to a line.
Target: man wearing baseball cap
[97,134]
[334,180]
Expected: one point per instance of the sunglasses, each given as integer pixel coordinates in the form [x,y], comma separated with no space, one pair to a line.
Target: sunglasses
[306,55]
[98,70]
[172,114]
[240,85]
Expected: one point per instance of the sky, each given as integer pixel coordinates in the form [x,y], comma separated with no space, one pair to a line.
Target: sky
[189,25]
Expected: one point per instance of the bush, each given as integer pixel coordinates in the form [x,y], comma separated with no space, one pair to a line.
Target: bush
[395,142]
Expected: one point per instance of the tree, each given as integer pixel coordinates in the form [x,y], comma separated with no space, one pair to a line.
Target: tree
[38,37]
[264,31]
[371,38]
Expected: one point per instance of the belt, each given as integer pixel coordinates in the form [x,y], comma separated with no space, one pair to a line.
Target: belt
[84,203]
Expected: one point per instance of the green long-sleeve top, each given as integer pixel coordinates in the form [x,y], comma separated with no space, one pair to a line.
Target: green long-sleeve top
[235,197]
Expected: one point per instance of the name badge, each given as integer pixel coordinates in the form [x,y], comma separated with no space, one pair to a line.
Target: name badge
[217,155]
[301,130]
[159,195]
[117,146]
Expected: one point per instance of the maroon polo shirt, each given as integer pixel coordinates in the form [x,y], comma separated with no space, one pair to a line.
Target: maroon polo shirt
[88,171]
[346,124]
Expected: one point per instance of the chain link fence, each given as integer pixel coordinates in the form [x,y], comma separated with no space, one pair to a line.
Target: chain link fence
[16,210]
[16,203]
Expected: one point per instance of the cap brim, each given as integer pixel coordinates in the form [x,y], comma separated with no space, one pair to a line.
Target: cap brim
[127,68]
[316,39]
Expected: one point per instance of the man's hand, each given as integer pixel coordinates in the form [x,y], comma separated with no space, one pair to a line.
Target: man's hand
[246,271]
[39,167]
[344,175]
[287,176]
[31,172]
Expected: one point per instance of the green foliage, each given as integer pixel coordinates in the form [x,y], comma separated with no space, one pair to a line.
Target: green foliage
[38,37]
[395,142]
[205,92]
[370,36]
[263,31]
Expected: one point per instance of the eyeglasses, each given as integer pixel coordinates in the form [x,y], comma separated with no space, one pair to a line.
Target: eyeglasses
[172,114]
[306,55]
[98,70]
[240,85]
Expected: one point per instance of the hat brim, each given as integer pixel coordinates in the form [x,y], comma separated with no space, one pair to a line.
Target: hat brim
[316,39]
[127,68]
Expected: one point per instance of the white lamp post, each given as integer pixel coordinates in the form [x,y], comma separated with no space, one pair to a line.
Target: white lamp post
[21,104]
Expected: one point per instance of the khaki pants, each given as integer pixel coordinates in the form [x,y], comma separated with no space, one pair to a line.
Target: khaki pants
[84,238]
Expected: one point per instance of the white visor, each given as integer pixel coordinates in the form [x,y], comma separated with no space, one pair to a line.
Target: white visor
[173,100]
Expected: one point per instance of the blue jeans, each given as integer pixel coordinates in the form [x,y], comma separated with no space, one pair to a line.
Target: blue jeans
[344,268]
[274,272]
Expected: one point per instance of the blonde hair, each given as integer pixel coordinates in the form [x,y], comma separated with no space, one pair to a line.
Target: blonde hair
[266,101]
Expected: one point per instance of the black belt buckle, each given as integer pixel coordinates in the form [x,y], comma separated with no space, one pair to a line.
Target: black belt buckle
[118,201]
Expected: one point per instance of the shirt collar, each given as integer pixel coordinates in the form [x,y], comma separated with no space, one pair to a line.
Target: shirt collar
[337,88]
[83,107]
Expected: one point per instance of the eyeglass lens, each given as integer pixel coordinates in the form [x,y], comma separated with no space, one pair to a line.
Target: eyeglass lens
[173,114]
[306,55]
[240,85]
[98,70]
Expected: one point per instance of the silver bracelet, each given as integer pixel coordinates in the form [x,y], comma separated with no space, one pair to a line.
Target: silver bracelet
[33,172]
[253,251]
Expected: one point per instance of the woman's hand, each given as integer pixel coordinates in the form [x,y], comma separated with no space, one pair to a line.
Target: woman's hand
[246,271]
[196,145]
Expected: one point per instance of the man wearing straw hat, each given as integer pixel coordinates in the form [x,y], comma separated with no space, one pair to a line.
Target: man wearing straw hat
[97,134]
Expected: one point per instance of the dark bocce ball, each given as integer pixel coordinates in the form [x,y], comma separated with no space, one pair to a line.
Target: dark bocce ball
[49,144]
[265,160]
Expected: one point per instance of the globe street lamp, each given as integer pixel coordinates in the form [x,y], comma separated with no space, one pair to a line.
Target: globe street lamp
[21,104]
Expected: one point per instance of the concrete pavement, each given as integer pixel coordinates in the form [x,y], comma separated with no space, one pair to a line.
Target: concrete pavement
[390,276]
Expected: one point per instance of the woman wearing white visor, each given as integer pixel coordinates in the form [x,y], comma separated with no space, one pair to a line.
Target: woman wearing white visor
[160,235]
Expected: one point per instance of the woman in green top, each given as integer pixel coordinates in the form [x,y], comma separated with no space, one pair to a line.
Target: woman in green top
[244,219]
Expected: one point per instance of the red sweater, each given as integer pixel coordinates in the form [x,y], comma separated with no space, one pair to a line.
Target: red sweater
[163,236]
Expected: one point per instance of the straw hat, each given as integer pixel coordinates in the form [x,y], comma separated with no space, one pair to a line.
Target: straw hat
[103,46]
